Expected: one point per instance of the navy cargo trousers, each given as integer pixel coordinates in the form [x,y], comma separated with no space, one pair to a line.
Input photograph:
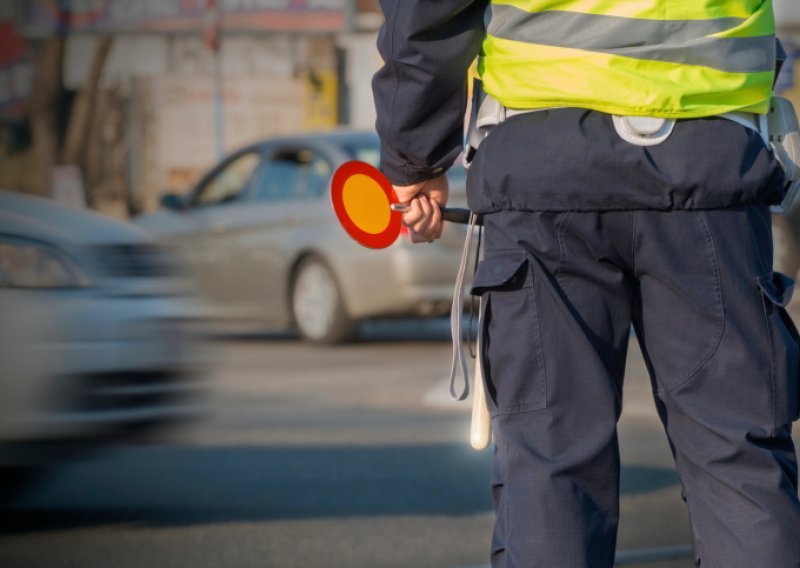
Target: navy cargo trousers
[561,290]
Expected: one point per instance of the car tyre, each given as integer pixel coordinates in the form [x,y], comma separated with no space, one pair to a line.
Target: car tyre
[317,306]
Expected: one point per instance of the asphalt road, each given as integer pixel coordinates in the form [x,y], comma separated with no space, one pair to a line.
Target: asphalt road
[308,457]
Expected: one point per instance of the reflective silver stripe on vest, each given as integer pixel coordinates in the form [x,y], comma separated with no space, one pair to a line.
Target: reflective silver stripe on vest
[674,41]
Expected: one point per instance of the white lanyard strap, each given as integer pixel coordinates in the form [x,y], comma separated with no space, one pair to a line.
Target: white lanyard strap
[456,316]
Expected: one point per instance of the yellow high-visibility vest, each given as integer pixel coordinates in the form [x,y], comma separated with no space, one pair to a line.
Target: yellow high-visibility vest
[663,58]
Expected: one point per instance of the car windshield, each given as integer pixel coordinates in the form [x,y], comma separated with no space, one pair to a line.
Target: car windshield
[369,152]
[457,174]
[365,151]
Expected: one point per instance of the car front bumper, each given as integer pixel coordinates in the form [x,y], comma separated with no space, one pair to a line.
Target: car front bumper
[88,365]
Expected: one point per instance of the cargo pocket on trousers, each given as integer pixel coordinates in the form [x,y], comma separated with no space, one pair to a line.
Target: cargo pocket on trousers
[784,340]
[512,358]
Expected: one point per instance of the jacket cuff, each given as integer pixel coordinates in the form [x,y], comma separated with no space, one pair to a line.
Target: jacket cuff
[401,172]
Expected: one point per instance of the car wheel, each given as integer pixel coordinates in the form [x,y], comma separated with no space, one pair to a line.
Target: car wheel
[317,305]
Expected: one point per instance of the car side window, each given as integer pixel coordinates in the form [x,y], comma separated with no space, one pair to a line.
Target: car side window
[231,181]
[294,175]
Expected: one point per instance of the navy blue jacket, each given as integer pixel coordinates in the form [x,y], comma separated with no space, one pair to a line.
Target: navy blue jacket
[562,159]
[421,92]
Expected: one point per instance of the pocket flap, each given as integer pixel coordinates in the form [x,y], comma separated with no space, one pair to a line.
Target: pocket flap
[507,271]
[777,287]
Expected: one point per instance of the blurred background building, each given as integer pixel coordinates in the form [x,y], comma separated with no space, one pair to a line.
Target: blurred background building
[787,17]
[113,103]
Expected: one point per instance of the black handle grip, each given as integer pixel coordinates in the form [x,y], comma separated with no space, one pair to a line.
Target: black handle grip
[458,215]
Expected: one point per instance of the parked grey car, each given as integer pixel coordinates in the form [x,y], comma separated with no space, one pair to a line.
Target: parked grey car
[259,232]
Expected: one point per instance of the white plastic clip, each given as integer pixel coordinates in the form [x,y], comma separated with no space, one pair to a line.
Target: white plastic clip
[643,130]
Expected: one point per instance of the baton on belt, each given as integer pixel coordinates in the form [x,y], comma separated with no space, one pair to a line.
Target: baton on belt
[367,208]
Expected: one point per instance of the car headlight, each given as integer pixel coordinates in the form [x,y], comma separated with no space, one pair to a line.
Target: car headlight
[29,264]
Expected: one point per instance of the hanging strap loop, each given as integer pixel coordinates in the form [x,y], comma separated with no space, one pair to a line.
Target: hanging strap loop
[459,361]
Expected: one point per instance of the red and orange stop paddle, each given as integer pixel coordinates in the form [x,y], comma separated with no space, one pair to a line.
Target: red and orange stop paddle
[362,200]
[367,206]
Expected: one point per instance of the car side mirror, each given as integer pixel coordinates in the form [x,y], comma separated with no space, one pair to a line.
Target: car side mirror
[173,201]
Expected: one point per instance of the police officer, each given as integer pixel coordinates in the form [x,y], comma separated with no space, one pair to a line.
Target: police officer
[627,185]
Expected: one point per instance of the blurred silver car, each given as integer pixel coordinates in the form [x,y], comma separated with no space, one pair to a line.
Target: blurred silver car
[259,232]
[91,340]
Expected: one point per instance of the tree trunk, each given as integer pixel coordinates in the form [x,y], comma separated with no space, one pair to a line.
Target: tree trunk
[45,105]
[80,118]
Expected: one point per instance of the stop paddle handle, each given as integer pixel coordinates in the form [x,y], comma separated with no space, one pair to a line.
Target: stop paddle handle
[366,205]
[451,214]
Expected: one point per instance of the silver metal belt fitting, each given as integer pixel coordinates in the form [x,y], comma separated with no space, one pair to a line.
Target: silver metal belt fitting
[783,131]
[780,130]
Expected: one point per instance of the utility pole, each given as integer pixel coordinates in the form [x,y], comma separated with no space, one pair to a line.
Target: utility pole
[212,37]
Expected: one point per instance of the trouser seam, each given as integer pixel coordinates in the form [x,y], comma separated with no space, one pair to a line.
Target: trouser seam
[718,295]
[773,374]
